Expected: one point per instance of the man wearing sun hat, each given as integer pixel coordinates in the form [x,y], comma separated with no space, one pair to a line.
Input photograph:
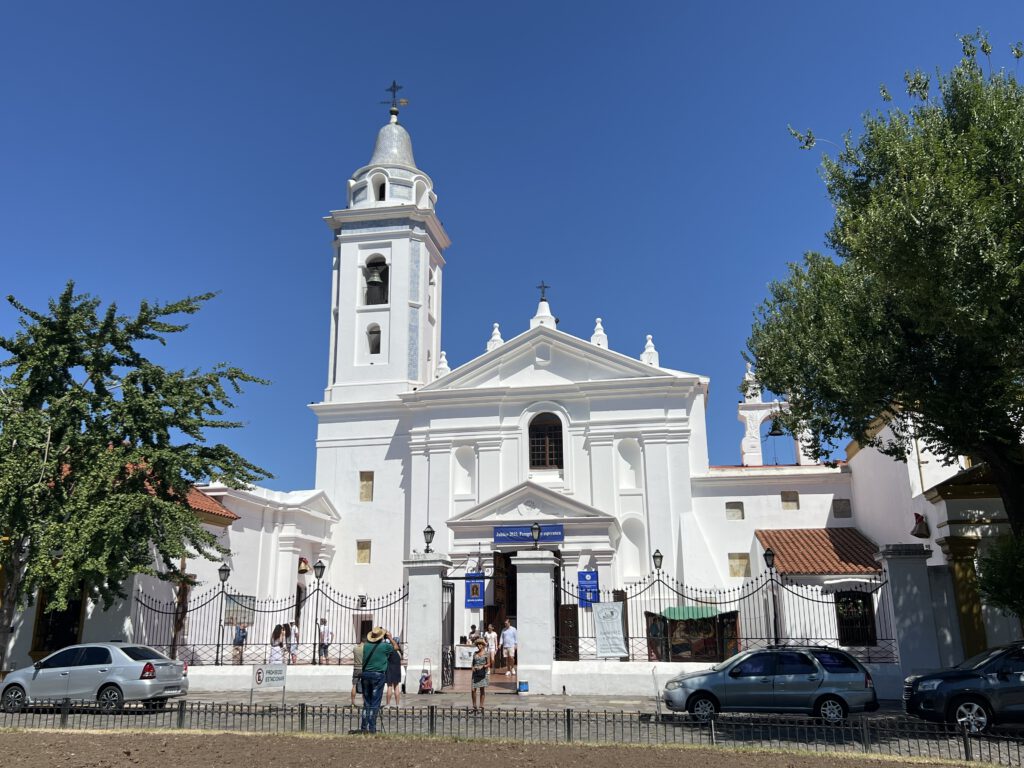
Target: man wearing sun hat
[375,664]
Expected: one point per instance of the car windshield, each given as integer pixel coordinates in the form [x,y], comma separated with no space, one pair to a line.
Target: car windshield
[976,661]
[142,653]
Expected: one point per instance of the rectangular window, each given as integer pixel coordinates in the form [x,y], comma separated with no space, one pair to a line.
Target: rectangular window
[734,510]
[366,486]
[790,501]
[855,618]
[739,564]
[363,552]
[841,509]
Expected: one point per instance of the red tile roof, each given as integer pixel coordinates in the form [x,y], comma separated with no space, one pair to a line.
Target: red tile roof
[820,551]
[200,502]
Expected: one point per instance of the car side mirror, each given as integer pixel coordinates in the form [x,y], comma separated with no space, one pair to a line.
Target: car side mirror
[1002,674]
[735,672]
[37,665]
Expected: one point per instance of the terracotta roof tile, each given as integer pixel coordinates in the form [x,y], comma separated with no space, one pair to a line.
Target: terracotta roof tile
[820,551]
[200,502]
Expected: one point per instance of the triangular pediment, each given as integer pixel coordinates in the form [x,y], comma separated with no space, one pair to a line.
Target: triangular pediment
[526,503]
[543,357]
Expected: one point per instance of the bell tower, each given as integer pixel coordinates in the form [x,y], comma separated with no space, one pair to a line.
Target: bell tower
[386,282]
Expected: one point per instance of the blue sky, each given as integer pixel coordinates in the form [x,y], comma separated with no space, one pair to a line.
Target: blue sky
[633,156]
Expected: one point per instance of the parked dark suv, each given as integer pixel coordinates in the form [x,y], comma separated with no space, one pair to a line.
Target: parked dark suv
[984,689]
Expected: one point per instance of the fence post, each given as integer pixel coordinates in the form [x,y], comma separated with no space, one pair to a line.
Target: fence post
[865,724]
[568,724]
[65,710]
[711,722]
[181,713]
[432,719]
[968,747]
[302,716]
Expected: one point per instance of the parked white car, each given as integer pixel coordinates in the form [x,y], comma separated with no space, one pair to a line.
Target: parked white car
[108,673]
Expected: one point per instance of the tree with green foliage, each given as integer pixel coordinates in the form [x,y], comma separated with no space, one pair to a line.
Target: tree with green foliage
[99,446]
[1000,574]
[917,322]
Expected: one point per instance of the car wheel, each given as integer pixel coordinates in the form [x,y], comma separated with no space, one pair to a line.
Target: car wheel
[110,699]
[702,707]
[14,699]
[972,715]
[831,709]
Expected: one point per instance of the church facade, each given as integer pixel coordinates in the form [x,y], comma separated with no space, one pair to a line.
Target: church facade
[546,440]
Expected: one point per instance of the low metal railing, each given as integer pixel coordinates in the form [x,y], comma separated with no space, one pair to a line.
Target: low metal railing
[893,735]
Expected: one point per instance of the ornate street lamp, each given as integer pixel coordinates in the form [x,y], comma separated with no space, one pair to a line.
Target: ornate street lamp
[318,571]
[769,561]
[223,572]
[428,537]
[535,533]
[658,559]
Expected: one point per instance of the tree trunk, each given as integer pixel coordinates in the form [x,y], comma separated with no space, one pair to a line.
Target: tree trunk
[14,575]
[1007,467]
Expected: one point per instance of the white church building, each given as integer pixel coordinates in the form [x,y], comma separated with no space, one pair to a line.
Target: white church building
[607,452]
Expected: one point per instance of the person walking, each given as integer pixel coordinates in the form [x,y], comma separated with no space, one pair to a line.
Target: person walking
[492,643]
[241,636]
[509,642]
[293,642]
[326,638]
[357,673]
[277,639]
[393,676]
[375,664]
[474,635]
[481,671]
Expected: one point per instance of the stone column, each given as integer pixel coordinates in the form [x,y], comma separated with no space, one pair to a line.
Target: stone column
[423,628]
[960,552]
[535,621]
[906,570]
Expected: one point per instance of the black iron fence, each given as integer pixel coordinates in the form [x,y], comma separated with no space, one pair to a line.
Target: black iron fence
[663,619]
[206,628]
[897,736]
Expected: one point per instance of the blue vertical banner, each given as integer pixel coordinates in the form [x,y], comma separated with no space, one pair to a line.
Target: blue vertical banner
[589,586]
[474,590]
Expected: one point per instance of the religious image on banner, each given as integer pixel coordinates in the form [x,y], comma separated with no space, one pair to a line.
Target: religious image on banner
[611,643]
[474,590]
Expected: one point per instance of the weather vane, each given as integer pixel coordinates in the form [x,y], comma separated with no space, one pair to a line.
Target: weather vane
[395,102]
[543,290]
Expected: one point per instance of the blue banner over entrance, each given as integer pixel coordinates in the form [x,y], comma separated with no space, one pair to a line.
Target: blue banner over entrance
[589,587]
[474,590]
[520,534]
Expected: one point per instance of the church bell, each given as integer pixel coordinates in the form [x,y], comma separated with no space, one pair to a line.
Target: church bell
[920,529]
[375,285]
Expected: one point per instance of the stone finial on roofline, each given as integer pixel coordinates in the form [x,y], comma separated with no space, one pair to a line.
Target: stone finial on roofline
[650,354]
[600,338]
[442,365]
[495,341]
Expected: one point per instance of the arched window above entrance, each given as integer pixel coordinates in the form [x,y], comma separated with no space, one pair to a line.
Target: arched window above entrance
[546,442]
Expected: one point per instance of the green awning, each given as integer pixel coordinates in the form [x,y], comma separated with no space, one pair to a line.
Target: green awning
[688,612]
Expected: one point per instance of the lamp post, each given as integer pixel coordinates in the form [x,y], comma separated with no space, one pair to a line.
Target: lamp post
[769,561]
[223,572]
[535,534]
[318,571]
[662,640]
[428,537]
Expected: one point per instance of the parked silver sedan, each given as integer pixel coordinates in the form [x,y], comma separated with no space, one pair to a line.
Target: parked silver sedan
[819,681]
[108,673]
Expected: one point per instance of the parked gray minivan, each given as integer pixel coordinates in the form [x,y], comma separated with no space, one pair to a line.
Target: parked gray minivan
[815,680]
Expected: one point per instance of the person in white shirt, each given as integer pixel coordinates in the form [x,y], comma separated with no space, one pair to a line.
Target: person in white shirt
[326,638]
[492,643]
[509,642]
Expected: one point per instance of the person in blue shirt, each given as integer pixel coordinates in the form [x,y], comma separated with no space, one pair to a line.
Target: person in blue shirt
[509,643]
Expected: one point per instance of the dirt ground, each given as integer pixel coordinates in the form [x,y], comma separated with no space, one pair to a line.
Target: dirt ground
[49,749]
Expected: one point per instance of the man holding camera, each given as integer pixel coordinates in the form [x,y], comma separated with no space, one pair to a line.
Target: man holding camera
[375,664]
